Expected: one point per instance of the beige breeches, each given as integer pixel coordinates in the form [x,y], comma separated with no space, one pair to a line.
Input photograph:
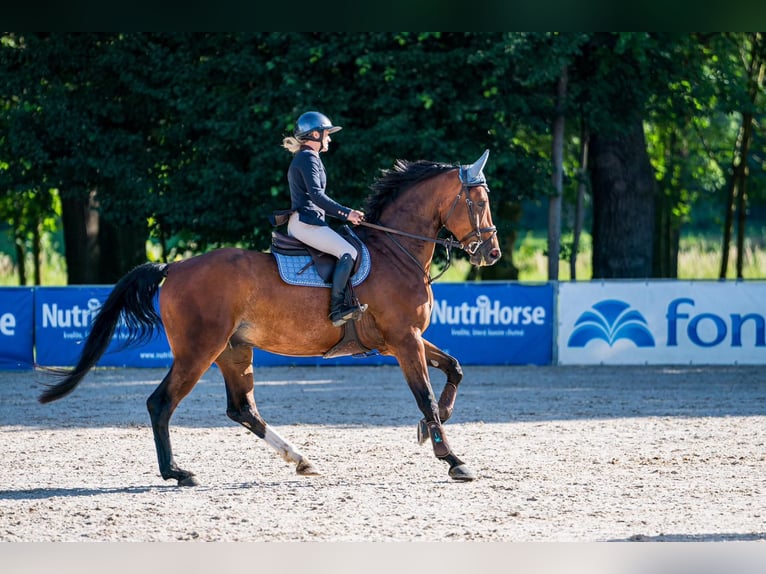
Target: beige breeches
[320,237]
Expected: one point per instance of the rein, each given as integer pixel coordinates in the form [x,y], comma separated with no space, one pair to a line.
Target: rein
[448,243]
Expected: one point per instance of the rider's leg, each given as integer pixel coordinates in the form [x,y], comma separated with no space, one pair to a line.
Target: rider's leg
[340,311]
[325,239]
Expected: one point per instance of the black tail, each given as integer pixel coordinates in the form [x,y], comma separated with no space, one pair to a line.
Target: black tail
[133,300]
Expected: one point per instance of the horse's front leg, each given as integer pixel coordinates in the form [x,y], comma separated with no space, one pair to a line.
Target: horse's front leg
[412,360]
[450,366]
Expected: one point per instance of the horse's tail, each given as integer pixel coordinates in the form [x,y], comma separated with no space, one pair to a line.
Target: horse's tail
[132,299]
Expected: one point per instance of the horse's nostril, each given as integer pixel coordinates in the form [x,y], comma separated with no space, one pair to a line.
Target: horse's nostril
[495,254]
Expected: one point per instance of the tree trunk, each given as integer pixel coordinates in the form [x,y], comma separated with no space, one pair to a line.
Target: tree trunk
[80,220]
[731,194]
[21,260]
[742,173]
[623,189]
[554,202]
[580,202]
[667,238]
[97,251]
[736,198]
[122,248]
[741,223]
[37,253]
[667,225]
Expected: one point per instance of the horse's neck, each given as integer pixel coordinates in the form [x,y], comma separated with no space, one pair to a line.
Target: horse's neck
[417,221]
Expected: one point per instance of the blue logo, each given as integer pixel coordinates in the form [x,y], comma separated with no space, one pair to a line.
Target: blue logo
[610,321]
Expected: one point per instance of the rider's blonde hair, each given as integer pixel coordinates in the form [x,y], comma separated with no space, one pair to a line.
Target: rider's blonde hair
[291,144]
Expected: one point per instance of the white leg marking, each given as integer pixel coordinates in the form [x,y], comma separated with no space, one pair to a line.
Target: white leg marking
[286,450]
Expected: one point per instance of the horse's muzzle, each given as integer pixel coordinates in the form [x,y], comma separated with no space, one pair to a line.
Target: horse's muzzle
[485,256]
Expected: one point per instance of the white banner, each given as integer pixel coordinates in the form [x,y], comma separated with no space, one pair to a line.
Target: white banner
[662,322]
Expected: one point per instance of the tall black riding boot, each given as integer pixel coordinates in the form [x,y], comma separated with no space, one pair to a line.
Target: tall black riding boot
[340,312]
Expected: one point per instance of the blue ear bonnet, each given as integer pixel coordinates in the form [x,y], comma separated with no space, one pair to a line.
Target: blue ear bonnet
[473,175]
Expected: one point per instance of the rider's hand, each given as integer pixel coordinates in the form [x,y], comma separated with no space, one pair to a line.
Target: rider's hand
[355,217]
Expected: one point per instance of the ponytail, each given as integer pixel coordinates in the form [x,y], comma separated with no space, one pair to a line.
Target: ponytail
[291,144]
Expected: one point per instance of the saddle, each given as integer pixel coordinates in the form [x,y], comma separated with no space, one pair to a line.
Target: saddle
[324,263]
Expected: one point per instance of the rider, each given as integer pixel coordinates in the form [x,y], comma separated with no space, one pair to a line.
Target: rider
[310,204]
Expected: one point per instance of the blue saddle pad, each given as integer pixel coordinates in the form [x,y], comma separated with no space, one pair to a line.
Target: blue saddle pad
[291,269]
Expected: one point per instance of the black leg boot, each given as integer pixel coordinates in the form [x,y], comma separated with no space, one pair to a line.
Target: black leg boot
[340,312]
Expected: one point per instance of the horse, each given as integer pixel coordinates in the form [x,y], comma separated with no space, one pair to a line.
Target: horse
[217,306]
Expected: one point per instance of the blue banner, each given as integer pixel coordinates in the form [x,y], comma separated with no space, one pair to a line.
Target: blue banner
[16,328]
[63,319]
[482,323]
[493,323]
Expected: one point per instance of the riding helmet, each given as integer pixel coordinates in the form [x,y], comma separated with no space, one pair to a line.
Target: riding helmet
[311,121]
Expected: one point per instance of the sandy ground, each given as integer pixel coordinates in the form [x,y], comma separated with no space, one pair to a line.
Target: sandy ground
[582,454]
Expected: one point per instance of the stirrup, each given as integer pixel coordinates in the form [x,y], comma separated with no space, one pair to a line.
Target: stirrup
[342,316]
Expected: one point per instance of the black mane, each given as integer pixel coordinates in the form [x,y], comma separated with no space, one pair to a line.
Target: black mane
[392,182]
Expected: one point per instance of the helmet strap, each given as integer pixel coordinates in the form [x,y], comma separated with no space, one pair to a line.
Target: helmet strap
[308,137]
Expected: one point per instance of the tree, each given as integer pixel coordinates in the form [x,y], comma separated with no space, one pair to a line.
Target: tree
[554,205]
[58,141]
[176,136]
[753,57]
[620,78]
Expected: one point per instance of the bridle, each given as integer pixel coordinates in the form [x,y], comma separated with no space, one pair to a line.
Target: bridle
[475,216]
[448,243]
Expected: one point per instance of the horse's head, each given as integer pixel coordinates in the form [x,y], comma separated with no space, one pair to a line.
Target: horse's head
[469,217]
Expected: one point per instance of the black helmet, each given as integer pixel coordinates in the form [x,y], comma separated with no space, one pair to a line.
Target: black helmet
[311,121]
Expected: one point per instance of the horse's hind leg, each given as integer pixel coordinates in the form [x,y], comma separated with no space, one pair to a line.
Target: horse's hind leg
[237,370]
[161,405]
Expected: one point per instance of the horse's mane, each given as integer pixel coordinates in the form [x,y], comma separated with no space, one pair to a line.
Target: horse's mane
[392,182]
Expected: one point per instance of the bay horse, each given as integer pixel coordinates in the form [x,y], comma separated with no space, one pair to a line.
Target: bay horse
[217,306]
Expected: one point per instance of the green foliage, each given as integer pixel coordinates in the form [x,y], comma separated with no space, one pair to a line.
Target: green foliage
[180,133]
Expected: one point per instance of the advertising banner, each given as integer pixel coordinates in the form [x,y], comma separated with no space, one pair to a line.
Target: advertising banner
[483,323]
[16,328]
[63,317]
[662,322]
[493,323]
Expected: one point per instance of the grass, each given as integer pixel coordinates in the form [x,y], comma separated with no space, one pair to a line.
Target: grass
[52,270]
[699,258]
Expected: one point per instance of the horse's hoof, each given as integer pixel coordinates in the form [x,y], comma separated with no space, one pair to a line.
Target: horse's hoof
[462,473]
[190,480]
[422,431]
[305,468]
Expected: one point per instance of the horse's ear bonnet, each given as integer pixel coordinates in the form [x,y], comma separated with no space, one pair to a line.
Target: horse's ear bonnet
[472,175]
